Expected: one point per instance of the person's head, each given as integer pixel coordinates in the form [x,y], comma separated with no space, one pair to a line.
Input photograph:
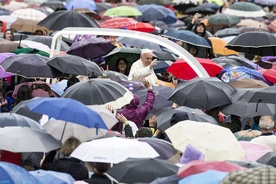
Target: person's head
[166,76]
[24,93]
[266,124]
[1,25]
[38,32]
[146,57]
[143,132]
[71,81]
[8,35]
[134,103]
[121,65]
[69,146]
[101,168]
[193,50]
[200,29]
[112,39]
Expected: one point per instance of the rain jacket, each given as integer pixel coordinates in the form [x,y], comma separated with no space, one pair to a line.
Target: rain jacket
[135,113]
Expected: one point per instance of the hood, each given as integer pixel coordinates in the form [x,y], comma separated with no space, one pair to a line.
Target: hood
[134,103]
[200,23]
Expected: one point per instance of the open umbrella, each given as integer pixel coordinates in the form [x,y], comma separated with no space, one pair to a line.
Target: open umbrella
[122,11]
[219,44]
[254,151]
[113,150]
[200,10]
[203,93]
[130,171]
[268,159]
[223,19]
[260,95]
[248,83]
[173,179]
[31,51]
[245,9]
[115,76]
[69,64]
[142,26]
[106,91]
[26,139]
[91,48]
[29,13]
[7,46]
[47,40]
[247,135]
[228,32]
[118,22]
[73,4]
[210,176]
[215,142]
[27,25]
[158,2]
[52,177]
[56,21]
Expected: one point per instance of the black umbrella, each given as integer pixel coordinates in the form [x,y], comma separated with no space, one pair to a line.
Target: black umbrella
[200,10]
[62,19]
[99,91]
[268,159]
[142,170]
[254,42]
[164,119]
[260,95]
[91,48]
[12,119]
[22,109]
[173,179]
[158,2]
[115,76]
[246,164]
[69,64]
[234,61]
[102,6]
[47,40]
[223,19]
[55,5]
[228,32]
[203,93]
[30,66]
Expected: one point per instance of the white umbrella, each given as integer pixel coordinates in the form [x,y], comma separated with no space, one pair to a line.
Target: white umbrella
[25,139]
[113,150]
[34,45]
[29,13]
[216,142]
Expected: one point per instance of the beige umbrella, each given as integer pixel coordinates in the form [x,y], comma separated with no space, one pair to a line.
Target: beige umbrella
[251,23]
[248,83]
[27,25]
[29,13]
[215,142]
[7,46]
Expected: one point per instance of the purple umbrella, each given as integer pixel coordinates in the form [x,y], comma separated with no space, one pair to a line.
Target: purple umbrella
[4,56]
[91,48]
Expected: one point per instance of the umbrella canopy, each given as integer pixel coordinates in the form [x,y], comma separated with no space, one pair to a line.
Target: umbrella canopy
[248,83]
[223,19]
[33,44]
[113,150]
[29,13]
[260,95]
[115,76]
[106,91]
[203,93]
[143,27]
[187,37]
[247,135]
[11,173]
[254,42]
[52,177]
[264,174]
[215,142]
[228,32]
[219,44]
[173,179]
[12,119]
[25,139]
[31,51]
[103,6]
[30,66]
[196,167]
[210,176]
[91,48]
[246,164]
[121,11]
[269,140]
[268,158]
[118,22]
[265,2]
[130,171]
[200,10]
[254,151]
[182,70]
[158,2]
[156,12]
[69,64]
[27,25]
[269,74]
[55,21]
[164,119]
[54,4]
[47,40]
[7,46]
[73,4]
[245,9]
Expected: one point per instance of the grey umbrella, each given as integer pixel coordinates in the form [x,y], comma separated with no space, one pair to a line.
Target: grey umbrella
[115,76]
[260,95]
[12,119]
[47,40]
[22,109]
[25,139]
[223,19]
[268,159]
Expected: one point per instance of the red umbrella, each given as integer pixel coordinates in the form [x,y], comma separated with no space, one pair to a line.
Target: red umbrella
[118,22]
[181,69]
[269,74]
[143,27]
[197,166]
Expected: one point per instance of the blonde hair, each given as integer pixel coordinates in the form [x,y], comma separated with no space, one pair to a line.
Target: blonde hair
[69,146]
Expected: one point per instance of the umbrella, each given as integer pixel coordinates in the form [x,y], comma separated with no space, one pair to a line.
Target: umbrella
[245,9]
[269,140]
[162,95]
[248,83]
[29,13]
[103,6]
[59,87]
[7,46]
[55,5]
[130,171]
[31,51]
[12,119]
[196,167]
[187,37]
[164,119]
[115,76]
[46,177]
[33,44]
[56,21]
[210,176]
[265,2]
[227,32]
[4,56]
[259,95]
[118,22]
[22,109]
[254,151]
[91,48]
[215,142]
[157,2]
[236,61]
[247,135]
[142,26]
[47,40]
[162,147]
[122,11]
[27,25]
[152,12]
[161,66]
[251,23]
[264,174]
[11,173]
[73,4]
[106,91]
[30,66]
[113,150]
[25,139]
[268,158]
[182,70]
[69,64]
[134,86]
[203,93]
[246,164]
[269,74]
[223,19]
[219,44]
[173,179]
[200,10]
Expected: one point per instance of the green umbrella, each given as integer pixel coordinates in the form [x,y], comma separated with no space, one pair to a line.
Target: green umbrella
[31,51]
[122,11]
[223,19]
[245,9]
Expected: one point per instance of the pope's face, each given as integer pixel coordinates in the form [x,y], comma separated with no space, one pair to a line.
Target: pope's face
[146,58]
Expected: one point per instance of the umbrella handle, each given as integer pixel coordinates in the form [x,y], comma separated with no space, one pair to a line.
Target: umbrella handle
[63,131]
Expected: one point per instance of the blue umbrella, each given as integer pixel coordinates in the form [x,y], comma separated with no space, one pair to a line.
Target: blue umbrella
[90,4]
[161,66]
[47,177]
[67,109]
[173,179]
[59,87]
[209,177]
[13,174]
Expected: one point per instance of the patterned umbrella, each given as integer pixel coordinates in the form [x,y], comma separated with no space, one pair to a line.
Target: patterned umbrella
[29,13]
[118,22]
[245,9]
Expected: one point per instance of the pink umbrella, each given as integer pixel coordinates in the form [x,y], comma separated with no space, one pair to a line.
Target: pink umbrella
[253,150]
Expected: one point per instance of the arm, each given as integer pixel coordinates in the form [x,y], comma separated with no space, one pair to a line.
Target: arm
[127,129]
[192,23]
[148,104]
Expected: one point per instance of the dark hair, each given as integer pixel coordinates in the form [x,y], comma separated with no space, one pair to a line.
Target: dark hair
[127,68]
[101,167]
[71,81]
[4,35]
[1,23]
[38,32]
[144,132]
[23,93]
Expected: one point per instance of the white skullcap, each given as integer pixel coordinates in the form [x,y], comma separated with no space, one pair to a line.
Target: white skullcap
[146,51]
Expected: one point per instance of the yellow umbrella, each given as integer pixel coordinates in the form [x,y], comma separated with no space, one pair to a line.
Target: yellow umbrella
[219,47]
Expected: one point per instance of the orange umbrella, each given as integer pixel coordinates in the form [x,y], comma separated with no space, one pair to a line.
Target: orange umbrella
[219,47]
